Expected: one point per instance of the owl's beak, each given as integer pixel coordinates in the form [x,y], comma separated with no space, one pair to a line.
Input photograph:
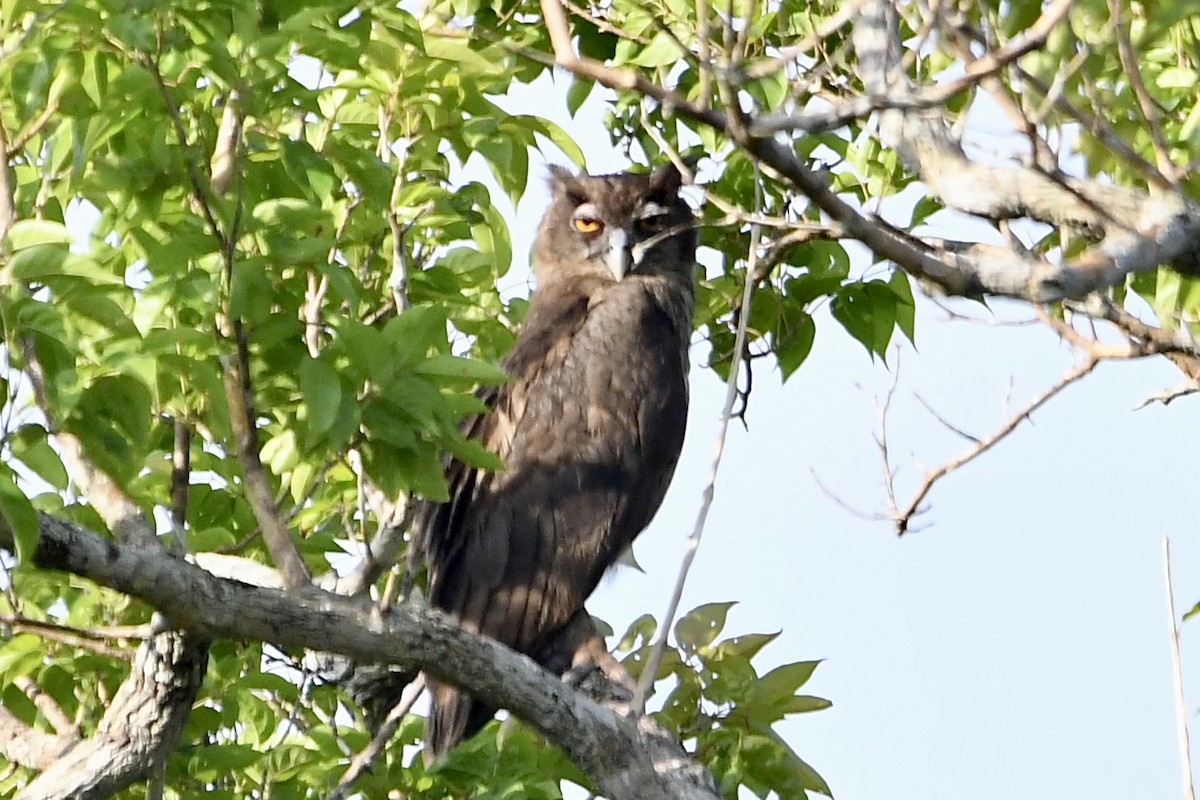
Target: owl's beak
[619,257]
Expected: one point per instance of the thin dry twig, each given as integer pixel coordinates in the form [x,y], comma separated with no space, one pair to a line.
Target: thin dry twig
[92,641]
[51,710]
[238,394]
[1133,73]
[902,518]
[1181,710]
[370,754]
[945,423]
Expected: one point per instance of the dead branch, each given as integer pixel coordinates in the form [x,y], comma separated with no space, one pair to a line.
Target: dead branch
[902,518]
[363,762]
[1181,712]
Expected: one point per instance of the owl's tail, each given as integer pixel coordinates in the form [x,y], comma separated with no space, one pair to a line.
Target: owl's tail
[453,716]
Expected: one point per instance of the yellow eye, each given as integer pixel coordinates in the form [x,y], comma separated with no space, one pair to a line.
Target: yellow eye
[587,224]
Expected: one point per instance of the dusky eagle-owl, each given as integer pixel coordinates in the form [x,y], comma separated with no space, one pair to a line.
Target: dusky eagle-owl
[589,428]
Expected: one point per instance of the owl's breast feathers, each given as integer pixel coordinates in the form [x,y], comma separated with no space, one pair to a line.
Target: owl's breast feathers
[590,429]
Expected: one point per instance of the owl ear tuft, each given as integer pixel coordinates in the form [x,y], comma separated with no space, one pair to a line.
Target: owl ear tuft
[665,181]
[564,182]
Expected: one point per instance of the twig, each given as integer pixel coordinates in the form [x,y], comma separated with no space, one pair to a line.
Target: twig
[903,518]
[945,423]
[1167,395]
[882,409]
[842,17]
[235,373]
[366,759]
[33,128]
[1133,74]
[638,704]
[8,197]
[1181,713]
[51,710]
[92,641]
[867,516]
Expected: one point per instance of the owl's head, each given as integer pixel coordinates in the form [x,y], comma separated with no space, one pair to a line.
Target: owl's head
[615,226]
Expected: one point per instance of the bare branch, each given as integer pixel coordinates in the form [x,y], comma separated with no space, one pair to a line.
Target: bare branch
[236,377]
[1133,72]
[1181,710]
[1140,232]
[8,197]
[370,754]
[51,710]
[75,637]
[1167,395]
[902,518]
[142,724]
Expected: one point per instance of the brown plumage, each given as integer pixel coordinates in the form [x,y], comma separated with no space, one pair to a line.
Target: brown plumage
[589,428]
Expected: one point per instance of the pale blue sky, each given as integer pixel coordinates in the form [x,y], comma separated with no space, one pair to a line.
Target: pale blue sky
[1017,646]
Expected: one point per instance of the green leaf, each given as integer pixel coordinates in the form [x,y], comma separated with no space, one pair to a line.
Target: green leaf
[280,453]
[641,629]
[19,514]
[20,656]
[31,447]
[906,308]
[41,261]
[321,390]
[662,50]
[783,681]
[472,452]
[577,94]
[1193,612]
[702,625]
[794,341]
[30,232]
[1177,78]
[447,366]
[410,336]
[421,471]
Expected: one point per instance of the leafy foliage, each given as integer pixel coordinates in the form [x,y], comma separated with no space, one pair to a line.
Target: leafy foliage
[277,187]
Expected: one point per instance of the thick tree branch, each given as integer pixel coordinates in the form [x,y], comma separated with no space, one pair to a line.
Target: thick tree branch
[627,757]
[1140,232]
[28,746]
[140,728]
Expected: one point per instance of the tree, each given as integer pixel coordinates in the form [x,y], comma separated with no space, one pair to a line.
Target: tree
[266,341]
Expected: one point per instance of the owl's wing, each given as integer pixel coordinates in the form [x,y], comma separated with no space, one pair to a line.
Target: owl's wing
[515,553]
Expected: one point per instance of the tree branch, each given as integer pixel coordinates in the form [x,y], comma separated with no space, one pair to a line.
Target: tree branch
[28,746]
[1140,232]
[627,757]
[902,517]
[140,728]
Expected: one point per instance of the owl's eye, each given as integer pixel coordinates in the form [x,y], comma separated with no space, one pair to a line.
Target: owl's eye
[587,224]
[654,224]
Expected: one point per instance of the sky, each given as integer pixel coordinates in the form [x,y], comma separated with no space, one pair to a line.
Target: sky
[1016,644]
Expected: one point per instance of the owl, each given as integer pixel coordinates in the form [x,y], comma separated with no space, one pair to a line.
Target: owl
[589,428]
